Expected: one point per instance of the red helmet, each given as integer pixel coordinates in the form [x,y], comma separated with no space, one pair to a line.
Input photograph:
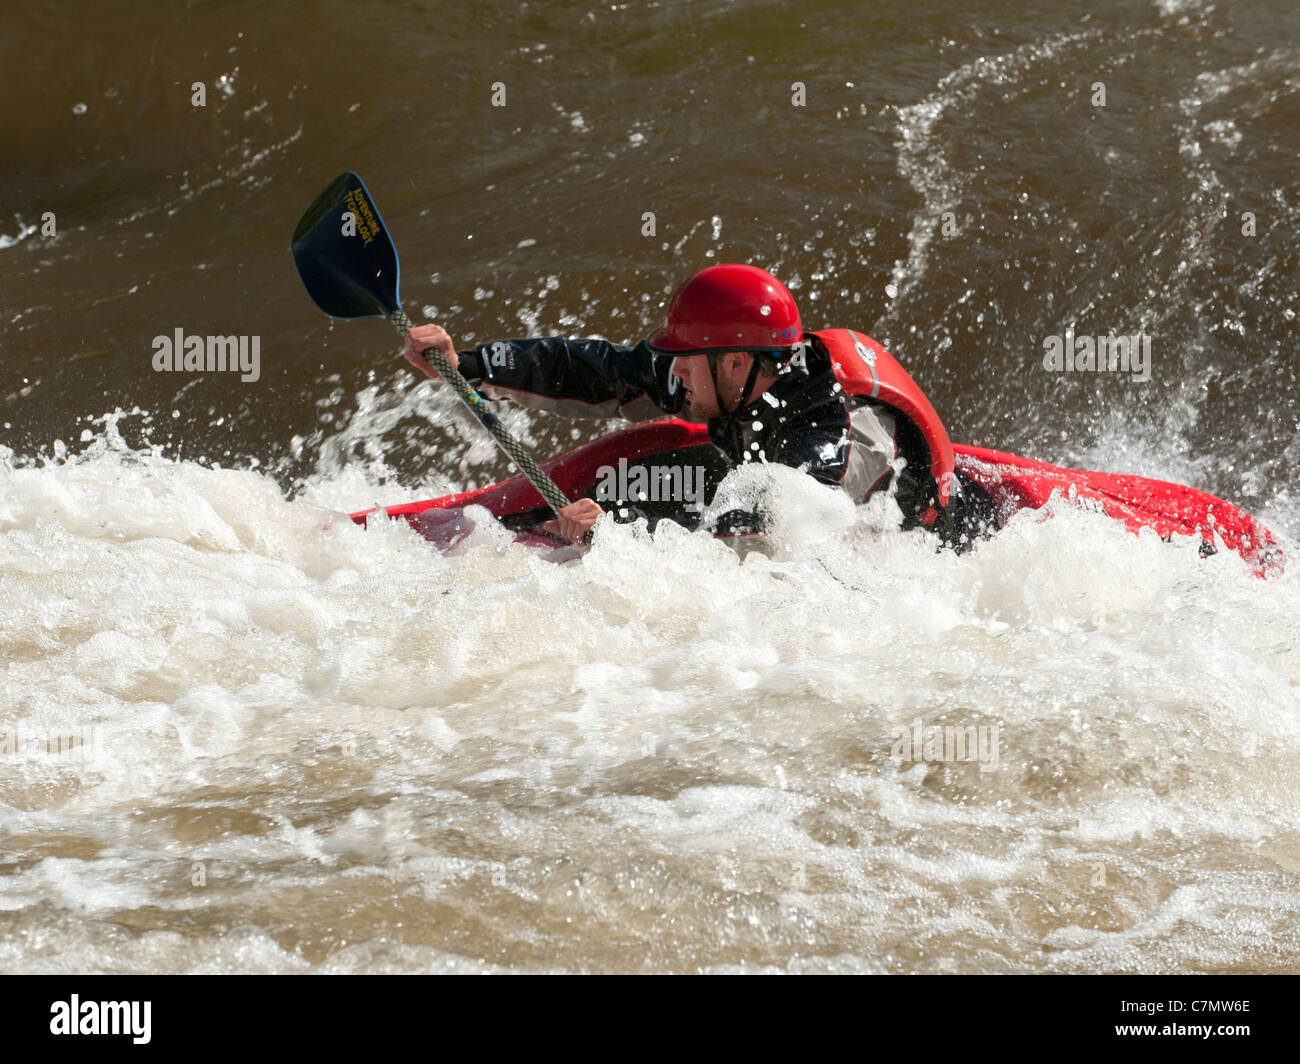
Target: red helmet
[731,307]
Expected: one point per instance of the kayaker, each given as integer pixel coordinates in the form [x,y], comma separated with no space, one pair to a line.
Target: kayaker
[734,355]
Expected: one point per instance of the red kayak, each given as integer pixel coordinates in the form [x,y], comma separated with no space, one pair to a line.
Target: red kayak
[1012,482]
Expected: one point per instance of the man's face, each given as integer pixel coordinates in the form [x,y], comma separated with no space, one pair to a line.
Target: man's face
[697,383]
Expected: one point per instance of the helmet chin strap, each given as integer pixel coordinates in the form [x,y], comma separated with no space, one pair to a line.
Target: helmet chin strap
[744,395]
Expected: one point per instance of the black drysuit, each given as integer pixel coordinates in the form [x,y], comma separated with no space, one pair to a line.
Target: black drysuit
[803,420]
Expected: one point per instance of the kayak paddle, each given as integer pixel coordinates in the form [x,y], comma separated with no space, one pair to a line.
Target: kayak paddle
[349,268]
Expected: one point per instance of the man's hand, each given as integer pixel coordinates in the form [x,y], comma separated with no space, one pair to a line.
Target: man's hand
[576,520]
[423,336]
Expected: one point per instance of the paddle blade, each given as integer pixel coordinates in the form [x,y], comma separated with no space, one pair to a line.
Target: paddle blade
[344,255]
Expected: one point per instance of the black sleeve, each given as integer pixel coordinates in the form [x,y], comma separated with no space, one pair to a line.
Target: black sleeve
[577,378]
[732,523]
[626,513]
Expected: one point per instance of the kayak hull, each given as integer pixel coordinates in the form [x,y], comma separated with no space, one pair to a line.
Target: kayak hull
[1012,482]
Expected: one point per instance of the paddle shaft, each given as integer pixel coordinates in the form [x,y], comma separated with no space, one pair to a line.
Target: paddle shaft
[555,498]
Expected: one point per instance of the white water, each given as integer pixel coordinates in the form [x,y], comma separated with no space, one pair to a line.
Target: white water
[659,757]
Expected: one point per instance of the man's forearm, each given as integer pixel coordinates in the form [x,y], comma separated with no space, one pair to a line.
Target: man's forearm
[576,378]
